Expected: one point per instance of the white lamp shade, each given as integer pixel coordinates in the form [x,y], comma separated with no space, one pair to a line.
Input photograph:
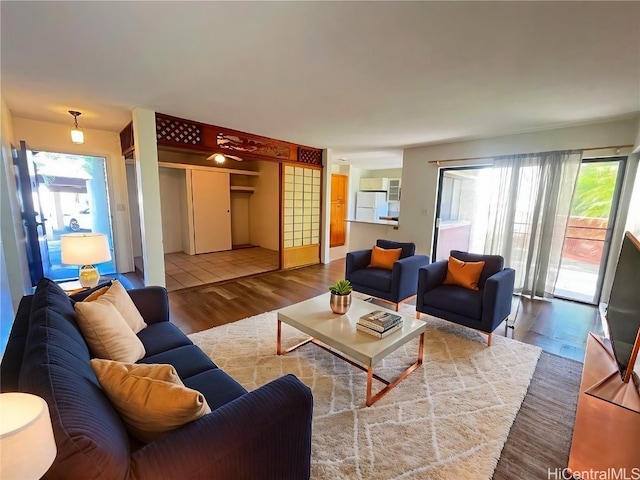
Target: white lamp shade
[84,248]
[27,445]
[77,135]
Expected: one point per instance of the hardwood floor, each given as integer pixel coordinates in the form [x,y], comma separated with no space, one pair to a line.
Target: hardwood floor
[557,326]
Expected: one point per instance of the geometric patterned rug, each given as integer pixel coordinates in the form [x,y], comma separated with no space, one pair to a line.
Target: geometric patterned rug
[448,419]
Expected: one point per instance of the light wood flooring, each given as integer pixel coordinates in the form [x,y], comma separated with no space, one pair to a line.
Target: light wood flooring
[557,326]
[183,271]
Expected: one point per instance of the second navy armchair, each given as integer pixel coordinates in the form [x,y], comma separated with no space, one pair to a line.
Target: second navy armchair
[483,309]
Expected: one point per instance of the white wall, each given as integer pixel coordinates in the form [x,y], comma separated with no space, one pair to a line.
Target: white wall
[355,174]
[134,211]
[171,180]
[633,215]
[636,146]
[240,229]
[53,137]
[12,231]
[146,159]
[382,173]
[264,207]
[622,220]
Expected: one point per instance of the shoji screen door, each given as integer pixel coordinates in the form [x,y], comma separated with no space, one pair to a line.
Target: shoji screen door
[301,215]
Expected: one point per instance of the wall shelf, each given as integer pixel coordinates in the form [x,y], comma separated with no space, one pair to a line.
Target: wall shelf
[241,188]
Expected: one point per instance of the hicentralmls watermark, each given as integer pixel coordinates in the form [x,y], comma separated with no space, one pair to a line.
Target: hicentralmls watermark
[608,474]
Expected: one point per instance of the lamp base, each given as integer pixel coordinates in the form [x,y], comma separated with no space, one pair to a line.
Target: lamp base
[88,276]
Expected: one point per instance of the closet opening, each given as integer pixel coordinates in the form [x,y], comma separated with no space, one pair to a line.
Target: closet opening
[218,223]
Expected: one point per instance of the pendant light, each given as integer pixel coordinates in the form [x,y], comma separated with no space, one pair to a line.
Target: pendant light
[77,135]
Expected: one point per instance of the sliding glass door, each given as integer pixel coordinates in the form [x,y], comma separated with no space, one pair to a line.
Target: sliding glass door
[588,236]
[462,210]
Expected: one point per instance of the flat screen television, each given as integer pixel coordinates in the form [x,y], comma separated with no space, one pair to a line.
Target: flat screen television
[623,311]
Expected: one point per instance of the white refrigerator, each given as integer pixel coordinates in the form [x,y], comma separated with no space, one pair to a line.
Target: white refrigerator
[370,206]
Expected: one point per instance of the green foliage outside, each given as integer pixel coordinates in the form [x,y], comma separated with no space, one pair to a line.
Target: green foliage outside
[594,190]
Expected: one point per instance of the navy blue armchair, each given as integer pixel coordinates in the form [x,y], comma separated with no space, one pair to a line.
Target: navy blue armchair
[393,286]
[482,309]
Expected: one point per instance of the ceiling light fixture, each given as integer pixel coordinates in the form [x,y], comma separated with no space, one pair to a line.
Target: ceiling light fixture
[77,135]
[219,158]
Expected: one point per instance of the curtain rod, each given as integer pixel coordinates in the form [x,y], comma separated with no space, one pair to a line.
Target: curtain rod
[489,158]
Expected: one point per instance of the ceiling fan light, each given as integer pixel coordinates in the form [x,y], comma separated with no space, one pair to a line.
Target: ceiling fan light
[219,158]
[77,136]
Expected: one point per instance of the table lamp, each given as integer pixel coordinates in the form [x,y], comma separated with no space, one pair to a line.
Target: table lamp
[27,445]
[84,249]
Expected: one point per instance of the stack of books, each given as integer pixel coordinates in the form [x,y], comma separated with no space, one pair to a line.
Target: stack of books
[379,323]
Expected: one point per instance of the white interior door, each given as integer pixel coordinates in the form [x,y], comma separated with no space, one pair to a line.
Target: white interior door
[211,211]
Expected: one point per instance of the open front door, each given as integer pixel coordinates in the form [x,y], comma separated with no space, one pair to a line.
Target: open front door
[32,216]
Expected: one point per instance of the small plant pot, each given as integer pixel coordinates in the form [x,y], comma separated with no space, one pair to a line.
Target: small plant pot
[340,303]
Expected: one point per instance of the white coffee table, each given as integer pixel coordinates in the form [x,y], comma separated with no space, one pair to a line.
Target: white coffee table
[337,334]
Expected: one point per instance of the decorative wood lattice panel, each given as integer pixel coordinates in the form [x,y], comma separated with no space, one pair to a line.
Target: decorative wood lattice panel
[177,132]
[126,138]
[307,155]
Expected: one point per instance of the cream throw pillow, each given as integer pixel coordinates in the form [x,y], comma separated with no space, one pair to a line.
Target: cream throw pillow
[117,295]
[151,399]
[107,333]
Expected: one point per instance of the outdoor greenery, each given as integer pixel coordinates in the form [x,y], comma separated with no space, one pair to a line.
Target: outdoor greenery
[594,190]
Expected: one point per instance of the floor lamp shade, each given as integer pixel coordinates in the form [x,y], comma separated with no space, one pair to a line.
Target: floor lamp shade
[85,249]
[27,445]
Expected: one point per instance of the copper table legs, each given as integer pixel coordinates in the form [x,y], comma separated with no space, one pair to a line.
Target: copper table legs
[371,399]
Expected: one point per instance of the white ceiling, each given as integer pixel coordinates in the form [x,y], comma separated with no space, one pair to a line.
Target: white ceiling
[353,76]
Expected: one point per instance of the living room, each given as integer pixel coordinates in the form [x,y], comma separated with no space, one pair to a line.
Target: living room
[459,105]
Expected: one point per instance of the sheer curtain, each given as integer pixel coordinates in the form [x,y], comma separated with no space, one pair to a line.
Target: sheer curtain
[529,210]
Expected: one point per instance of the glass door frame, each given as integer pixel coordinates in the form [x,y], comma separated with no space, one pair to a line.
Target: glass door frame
[613,217]
[436,227]
[105,167]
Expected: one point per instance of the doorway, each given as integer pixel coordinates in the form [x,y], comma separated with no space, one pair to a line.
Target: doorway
[462,214]
[74,199]
[462,210]
[338,224]
[588,237]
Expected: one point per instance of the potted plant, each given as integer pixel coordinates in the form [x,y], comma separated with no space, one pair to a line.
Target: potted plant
[340,296]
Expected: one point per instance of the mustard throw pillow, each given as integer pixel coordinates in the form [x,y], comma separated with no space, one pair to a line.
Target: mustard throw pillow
[97,293]
[463,274]
[384,258]
[117,295]
[151,399]
[107,334]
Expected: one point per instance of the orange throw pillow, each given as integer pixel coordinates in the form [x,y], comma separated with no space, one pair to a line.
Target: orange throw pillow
[384,258]
[463,274]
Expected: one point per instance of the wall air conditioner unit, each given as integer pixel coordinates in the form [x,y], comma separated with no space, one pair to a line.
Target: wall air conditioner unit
[374,184]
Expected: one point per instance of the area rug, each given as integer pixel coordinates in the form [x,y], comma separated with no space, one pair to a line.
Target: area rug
[540,438]
[449,419]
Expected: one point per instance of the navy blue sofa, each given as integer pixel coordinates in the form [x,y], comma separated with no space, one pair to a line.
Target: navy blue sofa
[263,434]
[394,286]
[482,309]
